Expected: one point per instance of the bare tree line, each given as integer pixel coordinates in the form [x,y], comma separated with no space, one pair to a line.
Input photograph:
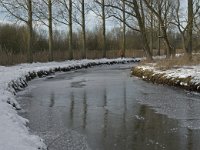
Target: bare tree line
[143,16]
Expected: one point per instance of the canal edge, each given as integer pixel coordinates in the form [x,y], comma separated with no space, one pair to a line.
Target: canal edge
[163,79]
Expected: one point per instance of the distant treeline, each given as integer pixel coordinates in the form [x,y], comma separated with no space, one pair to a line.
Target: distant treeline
[13,39]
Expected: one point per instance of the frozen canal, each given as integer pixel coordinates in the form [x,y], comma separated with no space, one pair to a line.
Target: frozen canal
[103,108]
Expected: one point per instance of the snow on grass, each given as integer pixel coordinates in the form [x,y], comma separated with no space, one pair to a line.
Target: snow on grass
[179,72]
[14,135]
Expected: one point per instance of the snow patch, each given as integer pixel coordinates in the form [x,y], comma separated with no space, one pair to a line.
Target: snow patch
[184,72]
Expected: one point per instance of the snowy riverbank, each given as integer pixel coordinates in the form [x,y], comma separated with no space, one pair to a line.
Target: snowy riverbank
[14,135]
[187,77]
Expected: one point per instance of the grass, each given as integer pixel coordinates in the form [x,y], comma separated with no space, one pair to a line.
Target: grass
[177,62]
[7,59]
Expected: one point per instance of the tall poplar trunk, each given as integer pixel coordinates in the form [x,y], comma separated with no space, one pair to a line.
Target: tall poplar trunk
[70,31]
[159,26]
[30,31]
[190,28]
[124,30]
[84,53]
[103,27]
[50,30]
[151,29]
[141,23]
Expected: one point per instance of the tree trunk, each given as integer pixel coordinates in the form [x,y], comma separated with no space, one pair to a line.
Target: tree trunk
[184,42]
[103,28]
[151,29]
[141,24]
[163,28]
[124,30]
[166,40]
[70,31]
[159,26]
[50,30]
[146,45]
[84,53]
[30,31]
[190,29]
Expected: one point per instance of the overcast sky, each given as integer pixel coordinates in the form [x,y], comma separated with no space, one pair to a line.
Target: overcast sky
[91,21]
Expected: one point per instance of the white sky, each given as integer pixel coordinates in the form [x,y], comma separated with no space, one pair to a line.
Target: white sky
[91,21]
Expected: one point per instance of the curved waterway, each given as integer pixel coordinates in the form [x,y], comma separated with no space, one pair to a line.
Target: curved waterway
[103,108]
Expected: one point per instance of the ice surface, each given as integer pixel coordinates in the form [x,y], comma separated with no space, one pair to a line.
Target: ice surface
[14,135]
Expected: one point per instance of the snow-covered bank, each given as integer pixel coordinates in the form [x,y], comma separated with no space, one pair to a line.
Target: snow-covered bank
[187,77]
[14,134]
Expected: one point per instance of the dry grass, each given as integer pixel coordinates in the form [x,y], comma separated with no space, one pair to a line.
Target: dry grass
[12,59]
[7,59]
[178,62]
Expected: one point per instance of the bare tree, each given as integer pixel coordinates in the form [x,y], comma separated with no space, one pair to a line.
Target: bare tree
[124,28]
[70,30]
[190,28]
[159,26]
[50,29]
[135,21]
[103,27]
[185,27]
[65,16]
[82,10]
[83,28]
[30,29]
[163,19]
[22,11]
[139,11]
[139,15]
[151,28]
[44,14]
[103,15]
[117,10]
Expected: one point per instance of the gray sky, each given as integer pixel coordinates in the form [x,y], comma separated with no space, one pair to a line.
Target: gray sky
[91,21]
